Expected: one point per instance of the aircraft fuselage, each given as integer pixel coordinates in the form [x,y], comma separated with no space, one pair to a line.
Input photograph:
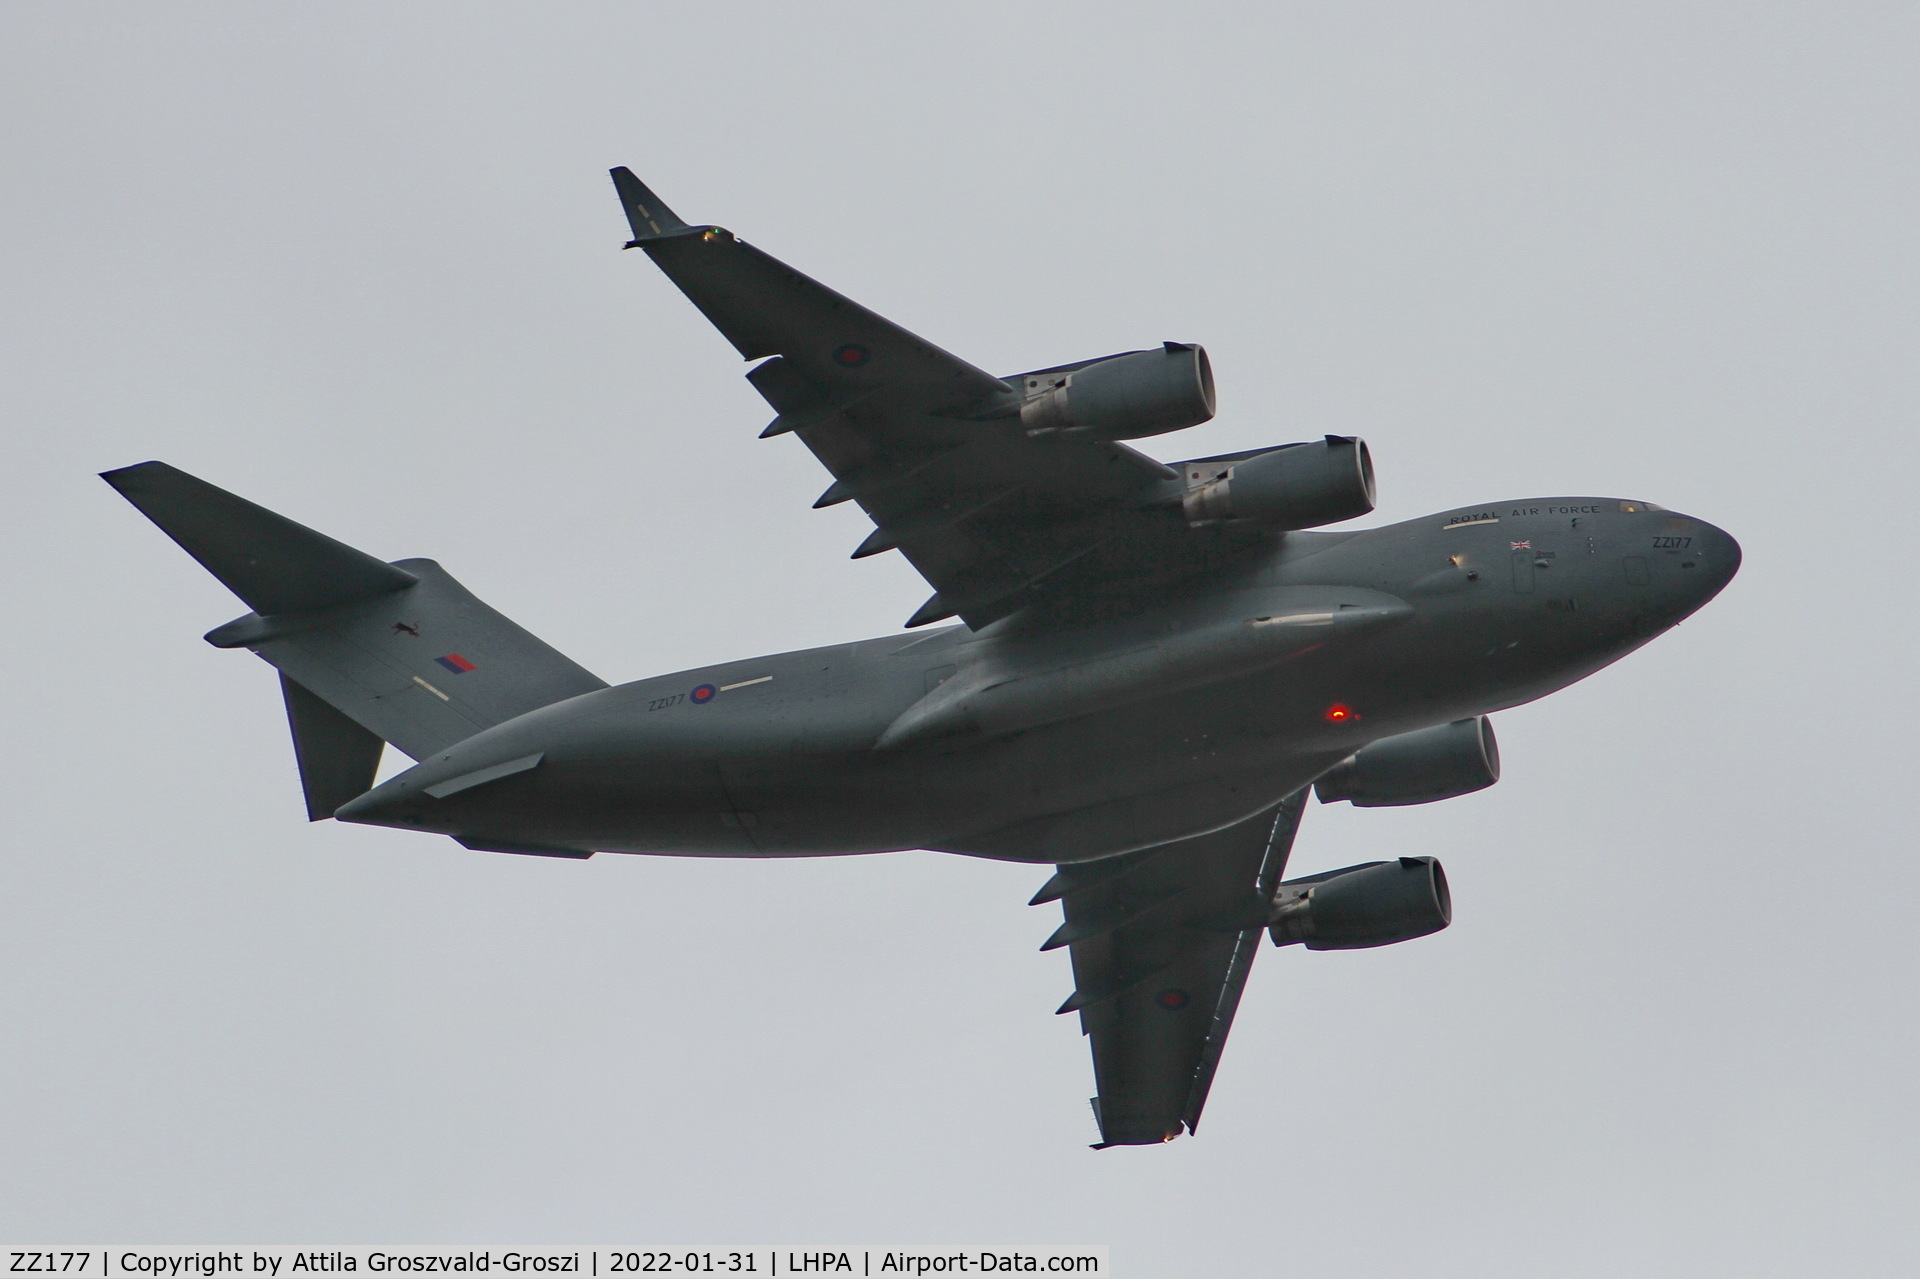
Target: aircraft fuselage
[1160,724]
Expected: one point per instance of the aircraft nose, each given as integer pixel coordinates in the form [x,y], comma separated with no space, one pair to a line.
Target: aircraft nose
[1716,557]
[1693,561]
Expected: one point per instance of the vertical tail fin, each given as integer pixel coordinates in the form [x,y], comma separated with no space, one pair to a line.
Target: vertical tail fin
[338,758]
[368,652]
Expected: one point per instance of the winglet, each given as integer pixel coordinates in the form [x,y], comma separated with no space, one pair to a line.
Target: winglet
[649,218]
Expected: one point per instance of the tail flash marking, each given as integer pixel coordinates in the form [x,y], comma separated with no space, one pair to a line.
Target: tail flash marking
[431,689]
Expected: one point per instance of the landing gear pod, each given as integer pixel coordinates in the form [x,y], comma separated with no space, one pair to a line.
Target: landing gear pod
[1363,906]
[1123,398]
[1416,768]
[1299,486]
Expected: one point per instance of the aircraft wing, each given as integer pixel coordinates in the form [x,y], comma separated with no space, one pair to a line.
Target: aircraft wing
[931,447]
[1162,941]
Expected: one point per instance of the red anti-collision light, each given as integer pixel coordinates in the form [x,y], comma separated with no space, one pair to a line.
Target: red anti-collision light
[1341,713]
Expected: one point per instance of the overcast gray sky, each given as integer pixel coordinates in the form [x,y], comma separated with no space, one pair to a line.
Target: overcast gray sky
[360,263]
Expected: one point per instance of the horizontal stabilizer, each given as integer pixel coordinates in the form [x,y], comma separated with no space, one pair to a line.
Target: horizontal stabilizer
[273,564]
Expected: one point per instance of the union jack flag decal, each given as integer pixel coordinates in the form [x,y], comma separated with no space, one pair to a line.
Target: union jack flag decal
[1520,546]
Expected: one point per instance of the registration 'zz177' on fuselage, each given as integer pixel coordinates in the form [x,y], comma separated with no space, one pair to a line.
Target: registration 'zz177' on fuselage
[1153,663]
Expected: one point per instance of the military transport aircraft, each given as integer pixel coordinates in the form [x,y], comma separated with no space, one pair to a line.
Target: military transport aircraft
[1153,664]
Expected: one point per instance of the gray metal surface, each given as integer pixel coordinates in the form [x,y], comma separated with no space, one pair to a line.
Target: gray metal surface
[1136,698]
[1162,943]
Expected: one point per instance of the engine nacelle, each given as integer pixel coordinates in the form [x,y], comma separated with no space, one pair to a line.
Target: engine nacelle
[1299,486]
[1416,768]
[1376,904]
[1123,397]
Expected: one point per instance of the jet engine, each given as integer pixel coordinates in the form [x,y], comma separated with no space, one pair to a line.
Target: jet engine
[1123,397]
[1375,904]
[1298,486]
[1416,768]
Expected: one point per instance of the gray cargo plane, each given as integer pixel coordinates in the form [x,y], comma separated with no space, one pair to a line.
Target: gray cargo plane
[1153,664]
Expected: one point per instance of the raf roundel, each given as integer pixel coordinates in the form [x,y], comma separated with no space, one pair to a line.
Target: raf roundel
[1173,999]
[703,694]
[851,356]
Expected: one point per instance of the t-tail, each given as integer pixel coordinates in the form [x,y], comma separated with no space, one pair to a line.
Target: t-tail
[368,652]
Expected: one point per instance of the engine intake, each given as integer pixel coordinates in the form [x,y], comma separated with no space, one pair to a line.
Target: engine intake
[1416,768]
[1123,397]
[1299,486]
[1375,904]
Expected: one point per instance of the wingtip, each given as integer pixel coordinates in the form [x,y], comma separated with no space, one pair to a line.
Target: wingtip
[646,214]
[119,474]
